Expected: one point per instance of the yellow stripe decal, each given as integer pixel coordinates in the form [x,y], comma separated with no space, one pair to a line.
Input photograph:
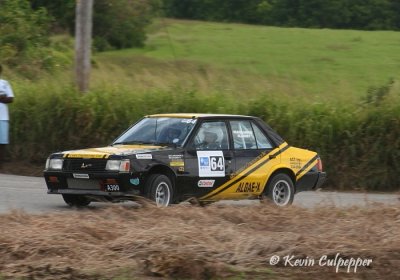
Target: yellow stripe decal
[250,169]
[86,156]
[310,164]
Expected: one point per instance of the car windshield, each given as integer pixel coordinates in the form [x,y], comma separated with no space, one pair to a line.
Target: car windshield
[157,131]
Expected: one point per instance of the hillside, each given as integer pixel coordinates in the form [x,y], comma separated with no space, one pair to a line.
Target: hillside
[245,59]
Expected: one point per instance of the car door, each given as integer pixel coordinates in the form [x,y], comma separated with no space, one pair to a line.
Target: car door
[250,145]
[208,158]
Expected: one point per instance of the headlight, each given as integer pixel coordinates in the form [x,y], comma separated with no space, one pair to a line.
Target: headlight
[118,165]
[54,163]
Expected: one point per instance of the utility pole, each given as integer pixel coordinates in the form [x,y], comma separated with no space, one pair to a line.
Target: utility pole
[83,43]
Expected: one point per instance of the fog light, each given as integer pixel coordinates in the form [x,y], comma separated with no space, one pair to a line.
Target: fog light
[53,179]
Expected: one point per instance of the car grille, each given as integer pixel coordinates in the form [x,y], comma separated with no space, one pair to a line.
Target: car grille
[84,165]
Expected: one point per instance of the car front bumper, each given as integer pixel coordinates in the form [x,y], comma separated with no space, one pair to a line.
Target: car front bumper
[110,184]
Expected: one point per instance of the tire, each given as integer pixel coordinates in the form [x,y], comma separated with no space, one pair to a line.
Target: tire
[76,200]
[159,189]
[280,190]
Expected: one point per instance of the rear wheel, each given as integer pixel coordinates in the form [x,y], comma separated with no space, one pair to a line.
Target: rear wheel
[76,200]
[159,188]
[280,190]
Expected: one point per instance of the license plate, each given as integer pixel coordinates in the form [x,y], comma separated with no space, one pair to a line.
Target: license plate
[112,188]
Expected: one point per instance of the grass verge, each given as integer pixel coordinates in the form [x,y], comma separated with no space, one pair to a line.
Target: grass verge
[185,242]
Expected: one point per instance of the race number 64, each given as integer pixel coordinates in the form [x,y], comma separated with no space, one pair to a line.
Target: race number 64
[217,163]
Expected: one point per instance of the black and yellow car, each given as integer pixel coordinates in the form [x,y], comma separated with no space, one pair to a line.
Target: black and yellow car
[171,158]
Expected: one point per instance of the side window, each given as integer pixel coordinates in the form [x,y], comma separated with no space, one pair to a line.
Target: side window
[211,136]
[243,136]
[262,140]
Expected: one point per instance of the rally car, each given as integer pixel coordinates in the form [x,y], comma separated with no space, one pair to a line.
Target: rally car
[171,158]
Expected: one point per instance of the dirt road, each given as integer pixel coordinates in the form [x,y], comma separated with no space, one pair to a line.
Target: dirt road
[29,194]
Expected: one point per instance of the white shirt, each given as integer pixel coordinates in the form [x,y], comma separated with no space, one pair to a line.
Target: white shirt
[5,88]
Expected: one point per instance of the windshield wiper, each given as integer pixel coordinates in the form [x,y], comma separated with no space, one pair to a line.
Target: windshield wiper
[166,144]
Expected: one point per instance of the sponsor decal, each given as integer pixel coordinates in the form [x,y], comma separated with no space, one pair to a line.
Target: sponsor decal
[181,169]
[172,157]
[204,161]
[134,181]
[206,183]
[80,176]
[243,134]
[211,163]
[144,156]
[249,187]
[177,163]
[295,163]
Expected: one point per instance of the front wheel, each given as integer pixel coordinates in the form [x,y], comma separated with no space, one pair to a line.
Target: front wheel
[159,188]
[76,200]
[280,190]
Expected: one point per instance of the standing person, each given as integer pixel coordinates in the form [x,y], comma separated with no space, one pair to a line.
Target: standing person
[6,96]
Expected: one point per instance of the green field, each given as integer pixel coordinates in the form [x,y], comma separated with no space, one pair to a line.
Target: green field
[313,63]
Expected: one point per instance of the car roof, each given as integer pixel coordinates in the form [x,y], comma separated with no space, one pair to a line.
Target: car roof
[197,116]
[272,134]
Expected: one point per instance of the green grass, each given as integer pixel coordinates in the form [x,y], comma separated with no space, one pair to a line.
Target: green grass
[313,63]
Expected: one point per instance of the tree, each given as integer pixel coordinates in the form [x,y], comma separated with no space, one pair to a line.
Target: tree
[116,24]
[121,24]
[63,12]
[354,14]
[24,35]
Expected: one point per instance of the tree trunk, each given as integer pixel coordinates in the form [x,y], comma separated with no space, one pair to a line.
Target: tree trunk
[83,43]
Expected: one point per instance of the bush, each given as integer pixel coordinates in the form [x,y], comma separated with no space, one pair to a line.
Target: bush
[116,24]
[24,36]
[122,23]
[359,144]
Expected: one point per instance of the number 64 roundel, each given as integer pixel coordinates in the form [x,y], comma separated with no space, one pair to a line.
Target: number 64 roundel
[211,163]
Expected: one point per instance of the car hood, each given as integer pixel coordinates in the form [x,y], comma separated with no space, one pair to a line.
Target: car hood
[119,150]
